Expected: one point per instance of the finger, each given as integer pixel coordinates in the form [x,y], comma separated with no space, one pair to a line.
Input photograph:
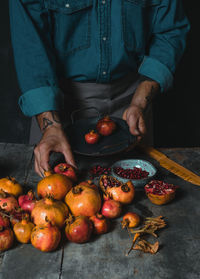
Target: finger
[44,160]
[37,170]
[133,125]
[69,158]
[124,116]
[142,126]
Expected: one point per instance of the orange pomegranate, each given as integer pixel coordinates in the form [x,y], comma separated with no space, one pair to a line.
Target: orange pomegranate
[49,210]
[116,190]
[56,185]
[130,220]
[6,238]
[83,200]
[22,231]
[90,184]
[8,202]
[11,186]
[45,237]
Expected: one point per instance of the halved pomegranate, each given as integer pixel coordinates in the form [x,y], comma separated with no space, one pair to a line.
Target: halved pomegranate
[160,192]
[116,190]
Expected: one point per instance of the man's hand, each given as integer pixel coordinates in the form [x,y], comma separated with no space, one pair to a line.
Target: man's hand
[135,113]
[53,139]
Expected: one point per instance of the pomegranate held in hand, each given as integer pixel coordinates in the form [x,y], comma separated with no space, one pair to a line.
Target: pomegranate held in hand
[130,220]
[57,185]
[100,223]
[23,231]
[78,229]
[116,190]
[66,169]
[45,237]
[160,192]
[111,209]
[27,202]
[6,238]
[10,186]
[106,126]
[92,137]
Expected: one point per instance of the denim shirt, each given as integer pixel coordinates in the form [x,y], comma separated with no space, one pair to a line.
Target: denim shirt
[92,41]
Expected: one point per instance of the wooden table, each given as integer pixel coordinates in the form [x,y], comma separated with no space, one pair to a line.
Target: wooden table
[104,257]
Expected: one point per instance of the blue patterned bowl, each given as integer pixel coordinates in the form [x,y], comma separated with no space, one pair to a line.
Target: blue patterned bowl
[131,163]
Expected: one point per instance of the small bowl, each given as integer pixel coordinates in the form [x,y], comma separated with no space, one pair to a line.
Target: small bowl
[131,163]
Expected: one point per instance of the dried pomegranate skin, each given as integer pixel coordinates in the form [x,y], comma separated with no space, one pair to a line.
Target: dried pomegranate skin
[160,192]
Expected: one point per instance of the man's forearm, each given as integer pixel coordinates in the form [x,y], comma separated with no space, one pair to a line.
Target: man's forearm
[48,119]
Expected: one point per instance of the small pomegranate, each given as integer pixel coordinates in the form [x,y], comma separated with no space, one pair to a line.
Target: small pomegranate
[78,229]
[160,192]
[45,237]
[66,169]
[57,185]
[106,126]
[116,190]
[49,210]
[28,201]
[92,137]
[4,221]
[130,220]
[8,202]
[22,231]
[100,223]
[6,239]
[11,186]
[111,209]
[83,200]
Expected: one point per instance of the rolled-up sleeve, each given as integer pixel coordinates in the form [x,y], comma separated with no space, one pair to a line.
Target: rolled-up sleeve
[30,26]
[167,43]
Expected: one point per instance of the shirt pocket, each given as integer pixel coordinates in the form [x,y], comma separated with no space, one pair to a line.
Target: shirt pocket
[72,24]
[138,18]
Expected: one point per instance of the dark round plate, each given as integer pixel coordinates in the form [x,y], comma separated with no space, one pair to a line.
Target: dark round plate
[115,143]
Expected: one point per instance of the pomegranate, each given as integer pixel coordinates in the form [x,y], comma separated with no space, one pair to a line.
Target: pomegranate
[160,192]
[22,231]
[8,202]
[11,186]
[28,201]
[4,221]
[111,209]
[17,215]
[106,126]
[90,184]
[130,220]
[49,210]
[45,237]
[118,191]
[83,200]
[6,239]
[100,223]
[57,185]
[78,229]
[66,169]
[92,137]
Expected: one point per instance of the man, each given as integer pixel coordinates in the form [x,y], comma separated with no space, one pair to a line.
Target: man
[111,53]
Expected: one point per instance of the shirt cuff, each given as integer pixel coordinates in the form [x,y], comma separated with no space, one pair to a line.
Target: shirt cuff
[157,71]
[41,99]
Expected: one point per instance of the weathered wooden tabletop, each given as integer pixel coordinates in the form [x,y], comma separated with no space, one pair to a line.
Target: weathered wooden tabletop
[105,256]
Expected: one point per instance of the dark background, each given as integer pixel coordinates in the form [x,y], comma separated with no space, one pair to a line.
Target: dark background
[176,113]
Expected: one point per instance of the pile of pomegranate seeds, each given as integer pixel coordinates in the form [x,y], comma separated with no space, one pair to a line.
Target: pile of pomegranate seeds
[135,173]
[99,170]
[159,187]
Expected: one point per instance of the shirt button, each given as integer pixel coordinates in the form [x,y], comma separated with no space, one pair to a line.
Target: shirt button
[104,73]
[67,5]
[104,38]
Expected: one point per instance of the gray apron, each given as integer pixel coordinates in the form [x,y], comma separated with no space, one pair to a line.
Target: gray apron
[109,99]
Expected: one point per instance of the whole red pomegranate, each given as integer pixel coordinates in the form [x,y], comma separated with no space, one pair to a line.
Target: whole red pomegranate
[11,186]
[8,202]
[66,169]
[57,185]
[111,209]
[45,237]
[130,220]
[78,229]
[118,191]
[83,200]
[49,210]
[28,201]
[6,238]
[23,231]
[4,221]
[100,223]
[92,137]
[106,126]
[160,192]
